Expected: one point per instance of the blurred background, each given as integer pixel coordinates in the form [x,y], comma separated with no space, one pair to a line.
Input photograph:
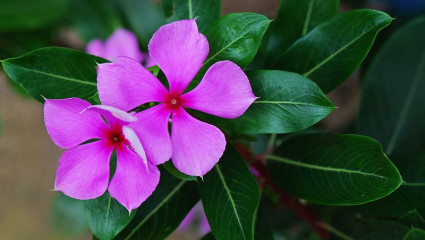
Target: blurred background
[28,158]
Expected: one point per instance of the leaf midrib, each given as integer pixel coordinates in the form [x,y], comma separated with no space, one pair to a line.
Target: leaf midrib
[308,17]
[226,188]
[50,74]
[172,193]
[323,168]
[406,105]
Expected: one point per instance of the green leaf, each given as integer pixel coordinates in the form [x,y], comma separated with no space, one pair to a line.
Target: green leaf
[106,217]
[143,17]
[263,226]
[95,18]
[235,37]
[415,234]
[288,102]
[294,20]
[55,73]
[30,15]
[413,219]
[208,236]
[392,107]
[329,56]
[163,211]
[169,166]
[334,169]
[67,217]
[205,11]
[230,196]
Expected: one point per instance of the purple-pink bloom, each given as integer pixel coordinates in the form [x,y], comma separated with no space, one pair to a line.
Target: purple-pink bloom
[196,214]
[121,43]
[83,169]
[179,50]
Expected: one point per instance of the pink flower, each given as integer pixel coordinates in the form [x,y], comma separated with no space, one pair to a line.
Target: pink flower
[196,215]
[83,170]
[121,43]
[179,50]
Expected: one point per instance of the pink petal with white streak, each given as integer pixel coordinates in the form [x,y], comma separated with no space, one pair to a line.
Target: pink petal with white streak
[224,91]
[152,130]
[132,182]
[83,171]
[66,126]
[197,146]
[126,84]
[179,50]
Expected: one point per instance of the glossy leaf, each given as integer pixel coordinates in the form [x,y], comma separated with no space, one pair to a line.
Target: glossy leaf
[415,234]
[143,17]
[288,102]
[163,211]
[330,53]
[205,11]
[95,18]
[409,196]
[235,37]
[294,20]
[54,73]
[392,107]
[30,15]
[230,196]
[334,169]
[106,217]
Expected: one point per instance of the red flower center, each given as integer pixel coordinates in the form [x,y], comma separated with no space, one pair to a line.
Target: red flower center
[115,137]
[173,101]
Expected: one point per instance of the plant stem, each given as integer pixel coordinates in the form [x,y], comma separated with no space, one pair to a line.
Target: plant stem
[335,231]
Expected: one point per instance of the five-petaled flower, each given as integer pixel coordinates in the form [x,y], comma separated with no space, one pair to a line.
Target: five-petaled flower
[83,170]
[179,50]
[121,43]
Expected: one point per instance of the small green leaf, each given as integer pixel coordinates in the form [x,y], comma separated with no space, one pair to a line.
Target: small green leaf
[230,196]
[163,211]
[415,234]
[55,73]
[30,15]
[331,52]
[288,102]
[294,20]
[334,169]
[106,217]
[392,107]
[205,11]
[413,219]
[169,166]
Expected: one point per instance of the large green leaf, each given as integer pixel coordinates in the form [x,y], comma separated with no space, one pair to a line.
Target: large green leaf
[415,234]
[230,196]
[331,52]
[162,213]
[334,169]
[392,108]
[30,14]
[294,20]
[106,217]
[205,11]
[235,37]
[288,102]
[55,73]
[143,17]
[95,18]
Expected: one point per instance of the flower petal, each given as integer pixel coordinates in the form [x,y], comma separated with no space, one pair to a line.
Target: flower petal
[197,146]
[83,171]
[132,182]
[96,48]
[224,91]
[135,143]
[112,115]
[152,130]
[126,84]
[123,43]
[66,126]
[179,50]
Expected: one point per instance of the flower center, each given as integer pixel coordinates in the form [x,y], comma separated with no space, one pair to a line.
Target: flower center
[116,137]
[173,101]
